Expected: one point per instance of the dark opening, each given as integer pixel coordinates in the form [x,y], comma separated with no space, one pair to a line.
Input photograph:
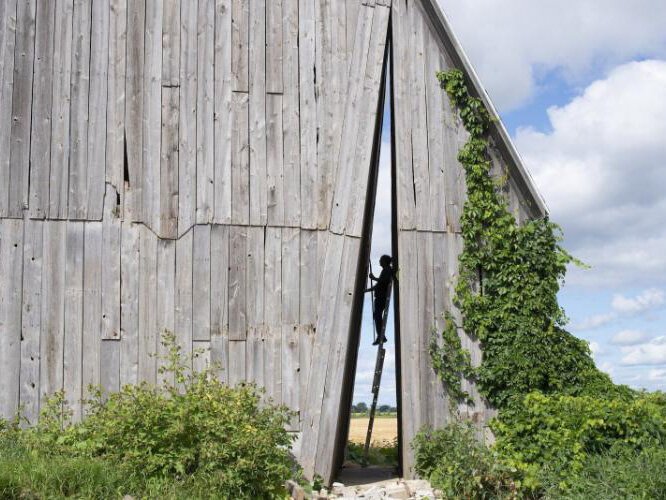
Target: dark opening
[378,238]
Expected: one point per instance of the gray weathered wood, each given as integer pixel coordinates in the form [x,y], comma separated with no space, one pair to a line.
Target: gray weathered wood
[309,291]
[205,110]
[152,116]
[240,160]
[97,102]
[92,304]
[275,160]
[290,322]
[148,335]
[291,115]
[240,33]
[236,372]
[273,313]
[11,293]
[238,246]
[73,318]
[40,135]
[183,299]
[166,288]
[31,318]
[274,48]
[171,43]
[24,52]
[129,303]
[201,359]
[254,293]
[201,278]
[115,102]
[51,344]
[134,108]
[79,118]
[111,268]
[219,298]
[168,183]
[257,104]
[187,131]
[109,372]
[7,45]
[223,112]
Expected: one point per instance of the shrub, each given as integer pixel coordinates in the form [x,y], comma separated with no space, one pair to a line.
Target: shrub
[193,432]
[454,461]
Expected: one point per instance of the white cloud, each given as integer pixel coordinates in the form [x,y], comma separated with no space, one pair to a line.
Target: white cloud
[594,322]
[649,299]
[596,348]
[657,375]
[602,172]
[652,353]
[629,337]
[514,42]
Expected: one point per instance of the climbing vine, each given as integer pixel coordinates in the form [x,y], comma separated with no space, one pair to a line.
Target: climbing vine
[507,289]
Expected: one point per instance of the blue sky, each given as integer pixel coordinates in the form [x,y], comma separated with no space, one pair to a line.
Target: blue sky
[581,87]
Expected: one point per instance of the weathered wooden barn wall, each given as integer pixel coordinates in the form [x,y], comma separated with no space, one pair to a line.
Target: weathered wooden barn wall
[202,167]
[430,193]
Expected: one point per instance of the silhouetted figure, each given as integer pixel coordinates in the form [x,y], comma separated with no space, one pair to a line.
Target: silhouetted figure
[381,289]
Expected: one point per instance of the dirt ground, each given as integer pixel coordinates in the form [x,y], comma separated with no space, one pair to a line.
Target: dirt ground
[384,429]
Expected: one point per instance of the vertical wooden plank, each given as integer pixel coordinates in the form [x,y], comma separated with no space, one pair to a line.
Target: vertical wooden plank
[308,112]
[325,81]
[223,112]
[11,293]
[92,303]
[409,345]
[240,160]
[273,313]
[147,345]
[291,115]
[275,160]
[99,64]
[73,318]
[79,119]
[7,45]
[171,43]
[31,317]
[60,130]
[109,375]
[240,39]
[51,346]
[219,298]
[254,301]
[129,303]
[401,82]
[183,301]
[237,284]
[257,85]
[187,131]
[201,360]
[352,125]
[40,146]
[351,12]
[442,300]
[274,50]
[111,271]
[115,102]
[24,53]
[236,362]
[134,108]
[290,321]
[166,292]
[426,324]
[308,275]
[201,277]
[436,161]
[419,129]
[455,136]
[152,115]
[168,190]
[205,109]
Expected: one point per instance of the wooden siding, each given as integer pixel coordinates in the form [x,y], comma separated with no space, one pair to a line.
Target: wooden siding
[202,168]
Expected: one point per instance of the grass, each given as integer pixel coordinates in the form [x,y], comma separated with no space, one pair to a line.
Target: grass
[381,453]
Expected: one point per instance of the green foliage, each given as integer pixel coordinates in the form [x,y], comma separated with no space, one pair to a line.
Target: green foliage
[451,361]
[454,461]
[381,453]
[192,431]
[618,474]
[561,431]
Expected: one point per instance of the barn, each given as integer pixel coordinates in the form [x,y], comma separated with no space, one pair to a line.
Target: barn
[209,168]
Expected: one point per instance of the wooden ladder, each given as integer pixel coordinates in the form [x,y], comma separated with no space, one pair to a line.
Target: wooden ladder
[379,367]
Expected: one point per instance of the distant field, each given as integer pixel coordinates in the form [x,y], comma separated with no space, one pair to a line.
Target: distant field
[384,429]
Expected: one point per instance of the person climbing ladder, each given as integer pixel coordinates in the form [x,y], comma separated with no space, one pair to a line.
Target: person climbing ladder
[381,291]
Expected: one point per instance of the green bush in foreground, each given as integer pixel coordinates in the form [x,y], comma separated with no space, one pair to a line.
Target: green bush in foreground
[194,434]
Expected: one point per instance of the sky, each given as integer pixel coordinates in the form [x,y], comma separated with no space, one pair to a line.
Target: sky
[581,87]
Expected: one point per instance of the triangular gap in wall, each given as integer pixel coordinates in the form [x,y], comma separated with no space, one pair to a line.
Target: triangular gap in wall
[378,239]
